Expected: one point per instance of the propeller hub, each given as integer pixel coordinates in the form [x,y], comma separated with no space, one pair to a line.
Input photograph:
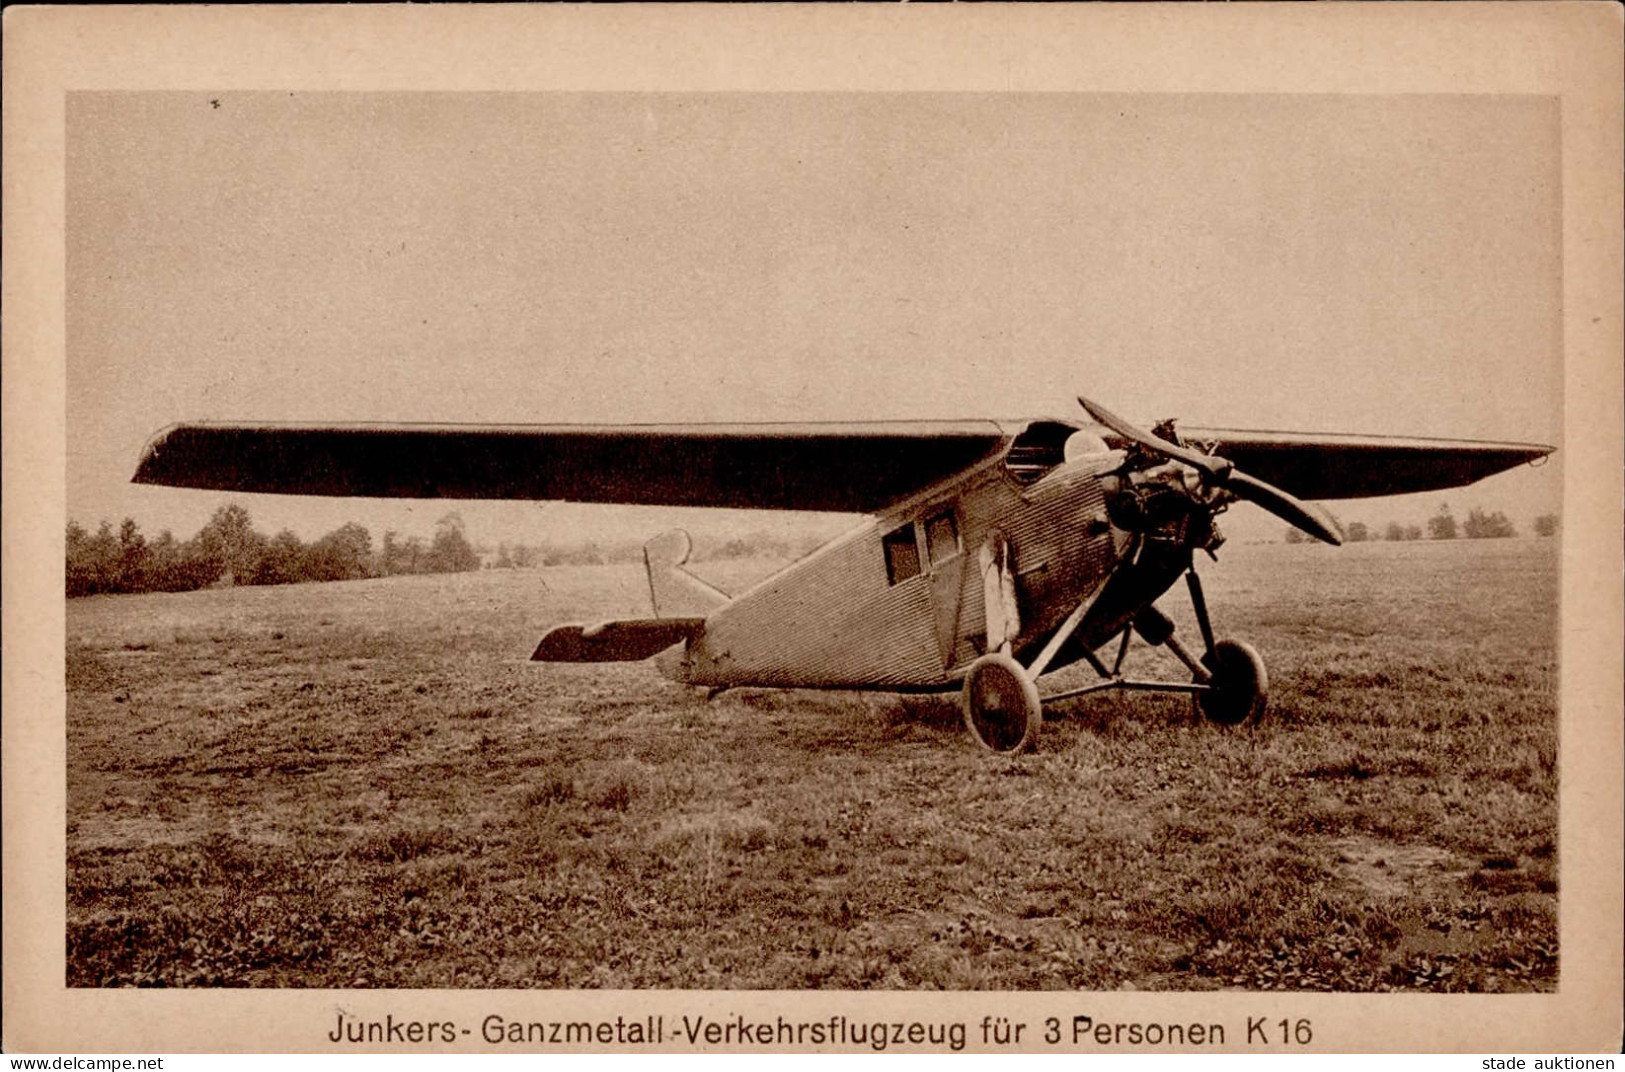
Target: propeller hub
[1168,503]
[1226,482]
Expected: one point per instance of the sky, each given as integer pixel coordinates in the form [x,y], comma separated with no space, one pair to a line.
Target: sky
[1375,264]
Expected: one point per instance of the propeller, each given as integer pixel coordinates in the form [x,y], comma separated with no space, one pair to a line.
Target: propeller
[1222,472]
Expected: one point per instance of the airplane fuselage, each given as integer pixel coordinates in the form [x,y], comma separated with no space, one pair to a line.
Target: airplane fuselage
[898,603]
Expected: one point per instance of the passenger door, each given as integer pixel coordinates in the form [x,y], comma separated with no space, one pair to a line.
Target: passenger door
[944,557]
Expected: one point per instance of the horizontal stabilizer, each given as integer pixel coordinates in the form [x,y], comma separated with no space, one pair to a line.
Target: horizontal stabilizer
[615,642]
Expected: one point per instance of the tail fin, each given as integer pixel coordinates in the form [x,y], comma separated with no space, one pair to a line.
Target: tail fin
[673,591]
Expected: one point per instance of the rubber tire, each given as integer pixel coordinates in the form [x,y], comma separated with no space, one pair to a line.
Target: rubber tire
[1241,688]
[997,685]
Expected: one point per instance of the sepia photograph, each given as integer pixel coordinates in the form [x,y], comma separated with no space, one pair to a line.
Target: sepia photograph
[816,539]
[303,755]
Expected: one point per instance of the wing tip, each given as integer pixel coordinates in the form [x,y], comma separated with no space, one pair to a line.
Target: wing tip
[148,468]
[1512,455]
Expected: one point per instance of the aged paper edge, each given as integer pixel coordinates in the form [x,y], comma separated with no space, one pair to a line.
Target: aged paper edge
[1568,50]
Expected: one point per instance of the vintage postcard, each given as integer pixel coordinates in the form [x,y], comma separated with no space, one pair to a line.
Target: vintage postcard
[996,529]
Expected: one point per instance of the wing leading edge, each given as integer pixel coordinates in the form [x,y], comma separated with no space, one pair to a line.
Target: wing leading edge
[845,467]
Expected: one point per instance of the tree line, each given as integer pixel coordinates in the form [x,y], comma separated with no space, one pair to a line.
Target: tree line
[228,549]
[755,544]
[1478,525]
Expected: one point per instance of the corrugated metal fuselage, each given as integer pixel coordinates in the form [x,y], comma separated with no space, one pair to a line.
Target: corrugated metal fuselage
[863,612]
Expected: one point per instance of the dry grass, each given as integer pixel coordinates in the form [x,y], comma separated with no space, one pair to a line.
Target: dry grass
[366,784]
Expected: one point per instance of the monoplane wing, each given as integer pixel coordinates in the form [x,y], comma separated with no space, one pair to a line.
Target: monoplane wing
[1325,466]
[847,467]
[836,466]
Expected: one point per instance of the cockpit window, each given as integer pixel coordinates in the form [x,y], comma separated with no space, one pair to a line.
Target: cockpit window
[902,554]
[1040,447]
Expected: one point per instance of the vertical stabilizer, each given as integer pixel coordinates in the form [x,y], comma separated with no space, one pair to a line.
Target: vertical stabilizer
[675,592]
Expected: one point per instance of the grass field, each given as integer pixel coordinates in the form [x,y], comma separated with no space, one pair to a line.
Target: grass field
[366,784]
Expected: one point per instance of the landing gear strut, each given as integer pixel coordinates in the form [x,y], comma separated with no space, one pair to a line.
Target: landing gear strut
[1003,710]
[1228,680]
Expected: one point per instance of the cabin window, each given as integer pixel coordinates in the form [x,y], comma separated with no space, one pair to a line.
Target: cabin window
[941,536]
[902,554]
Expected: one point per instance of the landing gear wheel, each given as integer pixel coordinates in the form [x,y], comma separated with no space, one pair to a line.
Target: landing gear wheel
[1002,710]
[1240,686]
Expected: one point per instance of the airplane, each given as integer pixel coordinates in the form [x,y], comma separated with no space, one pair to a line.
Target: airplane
[992,552]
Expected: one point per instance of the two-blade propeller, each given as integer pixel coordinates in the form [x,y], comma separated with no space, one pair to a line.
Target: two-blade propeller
[1222,473]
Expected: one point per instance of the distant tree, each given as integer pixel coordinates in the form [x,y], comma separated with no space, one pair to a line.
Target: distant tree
[78,571]
[1413,532]
[403,556]
[283,561]
[343,554]
[1358,533]
[1546,525]
[451,552]
[84,569]
[104,557]
[1485,526]
[524,556]
[132,558]
[392,555]
[624,551]
[1394,532]
[1442,525]
[584,554]
[230,539]
[504,559]
[179,567]
[163,555]
[416,555]
[1294,536]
